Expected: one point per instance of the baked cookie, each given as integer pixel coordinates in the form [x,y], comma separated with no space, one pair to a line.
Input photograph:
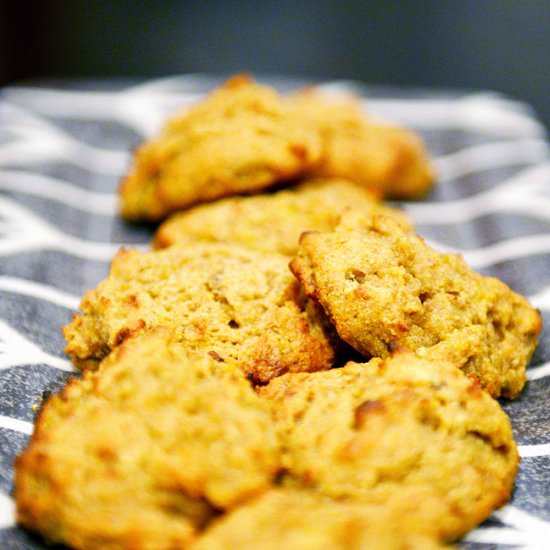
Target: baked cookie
[141,452]
[299,520]
[272,222]
[240,139]
[366,432]
[238,305]
[385,289]
[388,160]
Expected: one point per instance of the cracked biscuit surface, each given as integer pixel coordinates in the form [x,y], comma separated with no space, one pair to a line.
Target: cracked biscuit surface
[385,289]
[142,452]
[388,160]
[241,138]
[272,222]
[238,305]
[367,432]
[299,520]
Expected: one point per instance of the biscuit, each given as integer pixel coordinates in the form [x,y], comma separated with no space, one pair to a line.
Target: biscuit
[385,289]
[388,160]
[298,520]
[272,222]
[365,432]
[240,139]
[143,451]
[238,305]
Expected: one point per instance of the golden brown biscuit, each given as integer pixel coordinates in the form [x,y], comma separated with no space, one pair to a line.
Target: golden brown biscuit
[388,160]
[272,222]
[238,305]
[385,289]
[241,138]
[138,453]
[298,520]
[366,432]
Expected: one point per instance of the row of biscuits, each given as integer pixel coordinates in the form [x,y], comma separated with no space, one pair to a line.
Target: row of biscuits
[165,448]
[228,401]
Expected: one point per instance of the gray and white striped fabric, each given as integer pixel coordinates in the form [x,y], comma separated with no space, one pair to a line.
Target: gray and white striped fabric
[63,148]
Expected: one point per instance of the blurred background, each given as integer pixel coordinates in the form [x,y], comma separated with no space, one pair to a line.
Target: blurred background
[502,45]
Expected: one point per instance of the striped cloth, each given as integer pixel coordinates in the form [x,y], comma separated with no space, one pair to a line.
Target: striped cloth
[64,146]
